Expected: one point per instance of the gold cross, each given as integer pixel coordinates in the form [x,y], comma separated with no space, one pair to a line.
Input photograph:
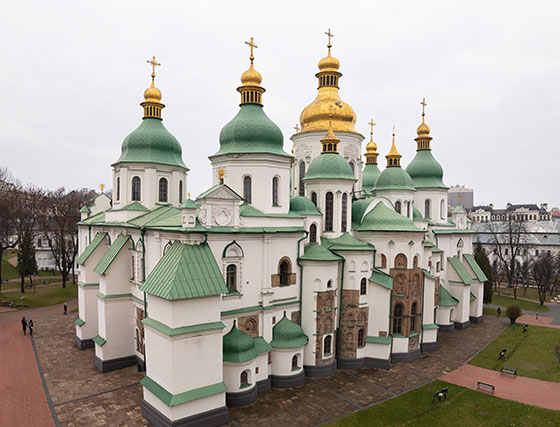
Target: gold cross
[372,124]
[423,105]
[296,127]
[154,65]
[252,45]
[329,34]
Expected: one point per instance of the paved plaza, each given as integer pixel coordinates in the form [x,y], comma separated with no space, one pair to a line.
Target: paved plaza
[81,396]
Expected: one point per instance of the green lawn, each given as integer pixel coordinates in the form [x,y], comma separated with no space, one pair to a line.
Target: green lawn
[46,295]
[531,352]
[463,407]
[8,270]
[525,305]
[40,281]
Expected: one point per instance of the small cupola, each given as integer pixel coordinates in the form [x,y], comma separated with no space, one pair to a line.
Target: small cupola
[423,139]
[371,147]
[393,157]
[251,90]
[152,96]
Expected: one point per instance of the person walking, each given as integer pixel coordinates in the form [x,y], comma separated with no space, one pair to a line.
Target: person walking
[65,308]
[30,325]
[499,310]
[24,324]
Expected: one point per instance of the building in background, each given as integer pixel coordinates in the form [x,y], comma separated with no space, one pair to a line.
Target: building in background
[459,195]
[523,212]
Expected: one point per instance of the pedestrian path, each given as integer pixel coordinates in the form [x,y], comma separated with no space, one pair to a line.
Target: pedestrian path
[545,321]
[543,394]
[32,313]
[23,401]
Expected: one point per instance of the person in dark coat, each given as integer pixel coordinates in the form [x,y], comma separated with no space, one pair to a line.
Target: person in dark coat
[499,310]
[30,325]
[24,324]
[65,308]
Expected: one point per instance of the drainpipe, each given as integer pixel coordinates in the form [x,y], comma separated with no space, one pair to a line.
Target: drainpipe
[338,337]
[422,316]
[300,278]
[391,326]
[142,232]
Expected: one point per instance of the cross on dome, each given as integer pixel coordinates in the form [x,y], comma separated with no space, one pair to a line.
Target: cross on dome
[372,124]
[154,65]
[423,103]
[252,45]
[329,34]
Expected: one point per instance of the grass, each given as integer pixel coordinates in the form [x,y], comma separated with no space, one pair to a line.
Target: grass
[531,352]
[44,296]
[463,407]
[8,270]
[39,281]
[525,305]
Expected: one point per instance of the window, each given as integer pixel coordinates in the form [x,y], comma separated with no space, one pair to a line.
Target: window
[327,346]
[313,233]
[285,273]
[383,261]
[442,209]
[361,341]
[136,188]
[398,207]
[536,252]
[408,209]
[344,218]
[231,277]
[329,284]
[329,211]
[363,286]
[397,319]
[427,209]
[294,363]
[39,243]
[181,191]
[413,317]
[401,261]
[301,176]
[275,191]
[415,261]
[118,192]
[244,379]
[353,172]
[506,251]
[163,190]
[314,198]
[247,189]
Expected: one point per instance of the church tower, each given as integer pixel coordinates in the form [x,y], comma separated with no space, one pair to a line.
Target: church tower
[314,120]
[371,171]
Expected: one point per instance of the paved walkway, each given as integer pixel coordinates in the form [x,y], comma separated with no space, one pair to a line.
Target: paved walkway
[33,313]
[548,322]
[544,394]
[22,399]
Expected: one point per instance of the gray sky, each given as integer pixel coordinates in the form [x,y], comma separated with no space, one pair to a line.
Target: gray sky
[74,74]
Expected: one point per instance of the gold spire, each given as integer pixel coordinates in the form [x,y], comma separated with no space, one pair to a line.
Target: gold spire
[393,157]
[152,104]
[251,90]
[423,139]
[371,147]
[330,141]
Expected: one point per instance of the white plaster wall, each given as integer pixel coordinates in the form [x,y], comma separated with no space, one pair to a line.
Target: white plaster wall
[232,375]
[462,293]
[400,345]
[476,305]
[376,351]
[428,304]
[282,361]
[116,325]
[87,307]
[435,196]
[403,196]
[430,335]
[86,273]
[261,363]
[117,277]
[185,312]
[379,300]
[443,316]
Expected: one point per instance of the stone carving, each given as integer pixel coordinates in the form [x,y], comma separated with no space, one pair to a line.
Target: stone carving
[223,216]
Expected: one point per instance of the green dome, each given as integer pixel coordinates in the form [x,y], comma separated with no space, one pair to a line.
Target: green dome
[303,205]
[394,178]
[425,171]
[329,166]
[288,334]
[383,218]
[238,346]
[251,131]
[369,176]
[151,142]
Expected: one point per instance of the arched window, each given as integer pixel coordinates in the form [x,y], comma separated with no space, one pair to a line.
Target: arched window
[383,261]
[39,243]
[401,261]
[327,346]
[162,190]
[397,319]
[136,188]
[244,379]
[313,233]
[231,277]
[413,317]
[285,272]
[363,286]
[329,211]
[294,362]
[442,209]
[329,284]
[247,189]
[118,192]
[181,191]
[361,341]
[415,261]
[408,209]
[301,176]
[398,207]
[353,172]
[427,209]
[344,219]
[314,198]
[275,191]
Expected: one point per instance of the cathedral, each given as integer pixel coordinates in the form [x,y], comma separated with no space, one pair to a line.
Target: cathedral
[290,265]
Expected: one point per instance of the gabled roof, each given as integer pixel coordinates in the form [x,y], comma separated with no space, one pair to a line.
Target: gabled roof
[316,252]
[100,217]
[427,244]
[185,271]
[383,218]
[155,216]
[303,206]
[248,210]
[111,254]
[188,204]
[460,269]
[381,278]
[446,299]
[99,237]
[475,268]
[134,206]
[347,242]
[215,188]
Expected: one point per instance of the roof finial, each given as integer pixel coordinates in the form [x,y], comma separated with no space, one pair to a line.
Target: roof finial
[296,127]
[252,45]
[154,65]
[372,124]
[329,34]
[423,106]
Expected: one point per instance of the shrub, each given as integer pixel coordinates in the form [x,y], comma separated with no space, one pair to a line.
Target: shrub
[513,312]
[557,352]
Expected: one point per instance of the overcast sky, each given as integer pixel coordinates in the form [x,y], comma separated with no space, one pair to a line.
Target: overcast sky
[74,72]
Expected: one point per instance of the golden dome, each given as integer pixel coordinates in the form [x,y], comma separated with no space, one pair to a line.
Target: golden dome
[423,139]
[371,147]
[251,77]
[152,94]
[423,129]
[329,63]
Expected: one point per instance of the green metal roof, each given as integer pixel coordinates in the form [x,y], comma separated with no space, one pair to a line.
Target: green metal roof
[457,209]
[155,216]
[261,345]
[379,340]
[251,131]
[185,271]
[98,217]
[369,176]
[248,210]
[151,142]
[381,278]
[383,218]
[394,178]
[425,171]
[473,296]
[111,254]
[452,231]
[460,269]
[416,215]
[238,346]
[437,250]
[99,237]
[446,299]
[347,242]
[214,188]
[329,166]
[134,206]
[316,252]
[358,209]
[84,209]
[428,244]
[303,206]
[188,204]
[475,268]
[288,334]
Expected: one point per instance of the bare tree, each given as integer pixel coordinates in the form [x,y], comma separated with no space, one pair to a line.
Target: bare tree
[8,217]
[543,272]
